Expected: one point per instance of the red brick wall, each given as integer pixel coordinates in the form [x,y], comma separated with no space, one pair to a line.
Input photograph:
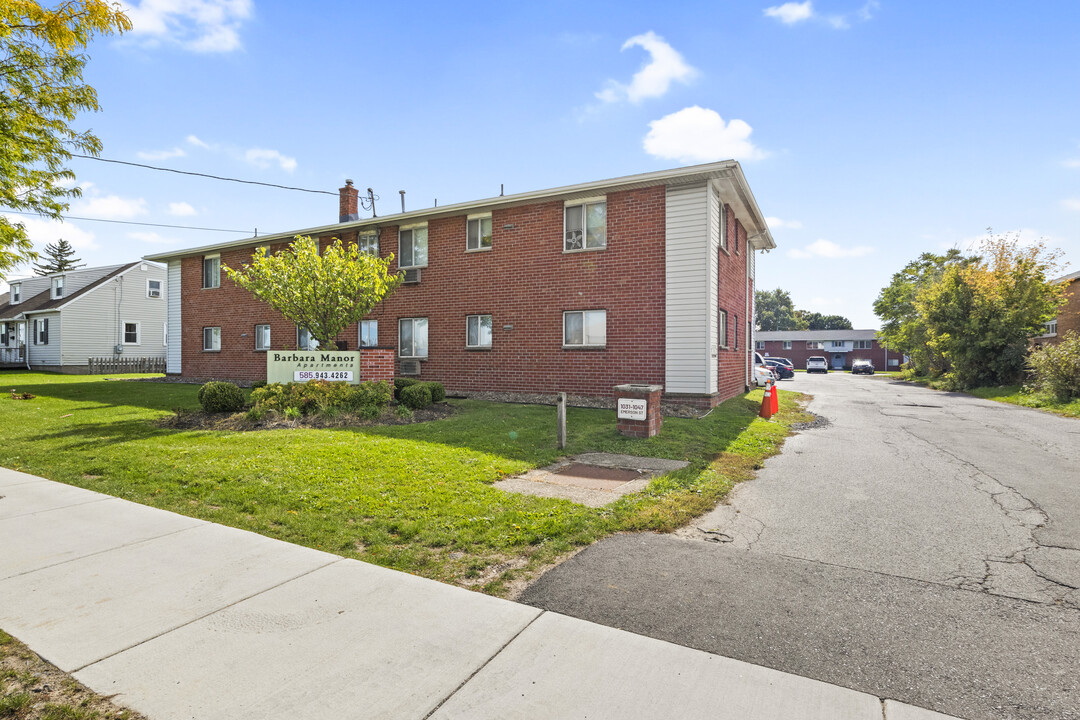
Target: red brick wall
[799,353]
[377,363]
[731,296]
[1068,315]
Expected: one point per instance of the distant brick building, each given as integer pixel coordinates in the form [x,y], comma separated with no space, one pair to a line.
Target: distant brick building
[1068,314]
[640,279]
[839,347]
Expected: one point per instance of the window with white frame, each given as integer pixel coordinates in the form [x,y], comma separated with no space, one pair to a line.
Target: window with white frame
[211,271]
[759,345]
[16,293]
[153,288]
[585,225]
[413,337]
[368,243]
[862,344]
[412,247]
[304,340]
[585,328]
[721,328]
[5,334]
[369,333]
[262,337]
[165,334]
[41,331]
[131,333]
[1050,328]
[787,344]
[211,339]
[478,232]
[718,216]
[57,288]
[478,331]
[812,345]
[735,331]
[837,343]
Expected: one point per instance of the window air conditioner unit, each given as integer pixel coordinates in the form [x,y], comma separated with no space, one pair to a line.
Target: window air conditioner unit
[154,293]
[411,277]
[410,367]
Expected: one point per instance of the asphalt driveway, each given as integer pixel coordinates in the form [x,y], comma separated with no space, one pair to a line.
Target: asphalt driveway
[921,546]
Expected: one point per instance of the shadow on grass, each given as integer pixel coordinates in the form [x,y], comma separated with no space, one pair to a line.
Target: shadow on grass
[108,393]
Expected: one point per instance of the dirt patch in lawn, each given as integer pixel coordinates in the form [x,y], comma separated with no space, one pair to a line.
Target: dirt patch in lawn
[240,422]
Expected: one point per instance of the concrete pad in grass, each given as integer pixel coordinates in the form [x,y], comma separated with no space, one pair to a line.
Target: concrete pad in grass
[563,667]
[349,640]
[36,541]
[32,497]
[14,477]
[81,611]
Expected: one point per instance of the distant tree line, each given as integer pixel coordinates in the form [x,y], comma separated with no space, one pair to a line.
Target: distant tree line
[775,311]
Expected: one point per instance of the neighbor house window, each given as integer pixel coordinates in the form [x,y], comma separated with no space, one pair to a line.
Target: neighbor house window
[1050,328]
[721,328]
[131,333]
[16,293]
[58,288]
[412,337]
[837,343]
[585,225]
[479,233]
[304,341]
[211,339]
[478,331]
[585,328]
[153,288]
[5,334]
[759,345]
[412,247]
[368,243]
[369,333]
[262,337]
[787,344]
[211,271]
[811,345]
[41,332]
[862,344]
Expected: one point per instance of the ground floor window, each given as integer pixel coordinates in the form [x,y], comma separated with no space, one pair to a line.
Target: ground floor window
[413,337]
[211,339]
[369,333]
[131,333]
[262,337]
[585,328]
[304,341]
[478,331]
[721,328]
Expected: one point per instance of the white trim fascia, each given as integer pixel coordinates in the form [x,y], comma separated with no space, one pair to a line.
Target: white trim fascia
[729,170]
[93,288]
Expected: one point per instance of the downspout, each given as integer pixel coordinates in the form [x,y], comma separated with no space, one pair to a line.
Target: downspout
[26,335]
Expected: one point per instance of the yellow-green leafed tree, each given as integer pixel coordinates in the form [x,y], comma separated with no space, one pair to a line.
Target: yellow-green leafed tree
[323,293]
[41,92]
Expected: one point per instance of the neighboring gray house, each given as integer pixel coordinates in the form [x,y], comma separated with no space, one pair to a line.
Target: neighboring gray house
[58,322]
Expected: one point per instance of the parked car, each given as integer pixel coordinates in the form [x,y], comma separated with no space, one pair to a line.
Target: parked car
[862,367]
[786,361]
[762,373]
[817,363]
[782,371]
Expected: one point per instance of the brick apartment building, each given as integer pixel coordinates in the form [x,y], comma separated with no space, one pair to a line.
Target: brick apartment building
[839,347]
[1068,317]
[640,279]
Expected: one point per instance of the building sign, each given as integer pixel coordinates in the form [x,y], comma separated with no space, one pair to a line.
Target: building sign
[283,366]
[633,409]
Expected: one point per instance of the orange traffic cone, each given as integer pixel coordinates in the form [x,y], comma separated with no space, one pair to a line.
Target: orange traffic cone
[775,399]
[766,402]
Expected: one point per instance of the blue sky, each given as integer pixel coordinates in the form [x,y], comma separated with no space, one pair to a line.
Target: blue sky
[869,131]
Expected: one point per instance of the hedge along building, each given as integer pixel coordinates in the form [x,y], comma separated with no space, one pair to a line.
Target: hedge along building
[641,279]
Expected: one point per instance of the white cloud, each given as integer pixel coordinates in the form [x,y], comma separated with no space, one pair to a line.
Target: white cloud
[866,12]
[204,26]
[263,158]
[654,79]
[181,209]
[826,249]
[697,134]
[160,154]
[1071,163]
[1071,204]
[791,12]
[151,237]
[109,207]
[776,223]
[192,140]
[43,231]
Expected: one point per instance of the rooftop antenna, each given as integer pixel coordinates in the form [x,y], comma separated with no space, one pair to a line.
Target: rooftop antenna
[402,200]
[371,199]
[500,189]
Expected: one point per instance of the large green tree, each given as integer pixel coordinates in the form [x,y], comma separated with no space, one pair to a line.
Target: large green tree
[817,321]
[41,93]
[775,311]
[321,292]
[59,257]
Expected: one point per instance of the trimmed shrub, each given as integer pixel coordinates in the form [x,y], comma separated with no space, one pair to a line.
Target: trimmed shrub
[402,383]
[218,397]
[258,384]
[1055,369]
[438,392]
[322,396]
[416,396]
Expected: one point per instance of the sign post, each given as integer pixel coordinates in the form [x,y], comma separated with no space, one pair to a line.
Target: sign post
[560,404]
[638,409]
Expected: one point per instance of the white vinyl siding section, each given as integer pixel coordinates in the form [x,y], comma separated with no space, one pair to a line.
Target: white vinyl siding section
[94,322]
[45,354]
[690,292]
[172,292]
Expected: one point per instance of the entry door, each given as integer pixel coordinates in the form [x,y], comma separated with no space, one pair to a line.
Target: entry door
[838,361]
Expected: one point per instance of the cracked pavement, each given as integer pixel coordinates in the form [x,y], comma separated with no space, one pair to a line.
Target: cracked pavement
[921,546]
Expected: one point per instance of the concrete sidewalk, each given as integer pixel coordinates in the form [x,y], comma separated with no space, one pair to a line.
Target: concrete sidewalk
[182,618]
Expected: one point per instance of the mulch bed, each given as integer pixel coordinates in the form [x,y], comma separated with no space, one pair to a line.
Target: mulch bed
[239,422]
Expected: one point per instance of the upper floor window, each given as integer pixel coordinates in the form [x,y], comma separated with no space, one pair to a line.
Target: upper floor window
[153,288]
[787,344]
[57,288]
[369,333]
[368,243]
[759,345]
[478,331]
[862,344]
[413,337]
[479,233]
[719,218]
[211,271]
[412,247]
[262,337]
[812,345]
[837,343]
[585,328]
[585,225]
[16,293]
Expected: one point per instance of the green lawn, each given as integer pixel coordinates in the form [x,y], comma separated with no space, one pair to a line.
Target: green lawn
[413,497]
[1014,395]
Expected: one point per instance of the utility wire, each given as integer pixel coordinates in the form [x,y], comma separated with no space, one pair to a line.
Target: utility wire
[130,222]
[213,177]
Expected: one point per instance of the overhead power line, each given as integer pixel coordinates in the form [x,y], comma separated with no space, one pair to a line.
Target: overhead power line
[131,222]
[205,175]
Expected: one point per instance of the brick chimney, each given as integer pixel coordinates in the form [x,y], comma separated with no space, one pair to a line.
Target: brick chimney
[348,205]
